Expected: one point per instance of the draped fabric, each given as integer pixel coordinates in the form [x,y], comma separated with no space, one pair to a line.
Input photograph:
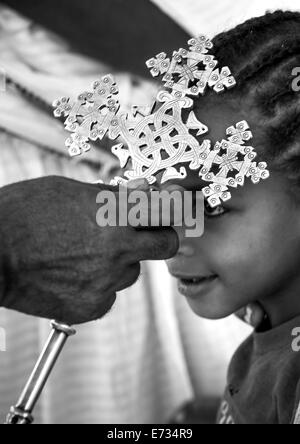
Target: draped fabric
[151,353]
[118,31]
[210,18]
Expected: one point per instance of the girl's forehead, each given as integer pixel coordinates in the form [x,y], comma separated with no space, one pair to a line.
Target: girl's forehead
[275,188]
[192,181]
[218,115]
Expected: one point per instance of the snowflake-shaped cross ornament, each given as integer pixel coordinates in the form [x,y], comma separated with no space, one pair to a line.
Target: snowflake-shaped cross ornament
[156,139]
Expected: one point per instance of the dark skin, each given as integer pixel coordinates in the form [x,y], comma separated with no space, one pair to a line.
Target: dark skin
[251,243]
[56,262]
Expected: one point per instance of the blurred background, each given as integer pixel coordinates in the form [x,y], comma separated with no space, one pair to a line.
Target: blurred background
[151,355]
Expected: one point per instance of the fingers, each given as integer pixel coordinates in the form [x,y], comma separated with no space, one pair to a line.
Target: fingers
[130,276]
[102,307]
[155,244]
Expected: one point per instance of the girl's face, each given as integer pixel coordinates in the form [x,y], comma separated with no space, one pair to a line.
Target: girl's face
[250,250]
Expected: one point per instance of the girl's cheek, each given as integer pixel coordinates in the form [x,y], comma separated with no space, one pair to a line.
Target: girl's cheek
[229,252]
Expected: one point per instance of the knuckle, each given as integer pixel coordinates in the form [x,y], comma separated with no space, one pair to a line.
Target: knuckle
[136,272]
[106,306]
[131,276]
[103,306]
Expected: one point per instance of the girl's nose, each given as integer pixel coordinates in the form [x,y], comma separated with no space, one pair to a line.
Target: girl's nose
[186,244]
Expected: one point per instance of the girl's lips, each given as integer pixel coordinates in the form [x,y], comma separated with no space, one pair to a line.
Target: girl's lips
[195,287]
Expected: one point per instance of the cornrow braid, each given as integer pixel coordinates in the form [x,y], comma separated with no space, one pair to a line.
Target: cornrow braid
[254,25]
[273,55]
[280,90]
[284,131]
[263,52]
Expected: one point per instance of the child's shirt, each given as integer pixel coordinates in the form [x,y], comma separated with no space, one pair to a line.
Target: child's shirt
[263,384]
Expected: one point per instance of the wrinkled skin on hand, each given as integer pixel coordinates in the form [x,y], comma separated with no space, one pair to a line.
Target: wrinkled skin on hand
[57,262]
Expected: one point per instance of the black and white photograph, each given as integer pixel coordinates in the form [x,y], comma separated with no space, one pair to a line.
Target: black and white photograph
[149,215]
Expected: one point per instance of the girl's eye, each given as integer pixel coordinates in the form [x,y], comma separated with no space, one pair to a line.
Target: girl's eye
[213,212]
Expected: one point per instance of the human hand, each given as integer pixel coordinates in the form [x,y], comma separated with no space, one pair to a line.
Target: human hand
[57,262]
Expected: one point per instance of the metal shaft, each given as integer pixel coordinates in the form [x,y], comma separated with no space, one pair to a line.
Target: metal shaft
[21,413]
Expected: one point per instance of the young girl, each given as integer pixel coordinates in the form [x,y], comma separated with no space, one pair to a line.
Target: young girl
[250,250]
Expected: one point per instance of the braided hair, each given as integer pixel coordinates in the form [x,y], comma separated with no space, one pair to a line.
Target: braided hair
[263,52]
